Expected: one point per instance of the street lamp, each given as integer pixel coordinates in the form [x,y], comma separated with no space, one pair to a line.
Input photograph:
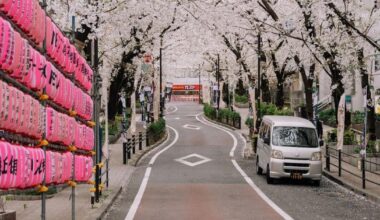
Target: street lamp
[161,95]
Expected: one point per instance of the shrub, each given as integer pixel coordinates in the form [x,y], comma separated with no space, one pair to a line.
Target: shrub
[328,116]
[249,122]
[241,98]
[370,149]
[357,117]
[223,114]
[271,109]
[156,129]
[209,111]
[348,137]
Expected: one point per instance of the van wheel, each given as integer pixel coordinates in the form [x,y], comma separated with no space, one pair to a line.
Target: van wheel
[269,179]
[259,170]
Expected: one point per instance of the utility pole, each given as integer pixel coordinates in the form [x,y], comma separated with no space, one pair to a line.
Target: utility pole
[259,79]
[218,81]
[161,98]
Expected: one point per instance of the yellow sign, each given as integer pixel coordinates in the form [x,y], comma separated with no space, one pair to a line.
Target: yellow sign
[377,104]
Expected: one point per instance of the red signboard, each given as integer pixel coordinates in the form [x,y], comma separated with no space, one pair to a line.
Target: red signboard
[186,87]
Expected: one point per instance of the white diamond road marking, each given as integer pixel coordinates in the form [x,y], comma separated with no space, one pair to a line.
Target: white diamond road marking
[193,127]
[193,164]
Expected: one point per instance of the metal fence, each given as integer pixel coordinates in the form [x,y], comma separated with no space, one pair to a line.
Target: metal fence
[231,121]
[143,139]
[339,159]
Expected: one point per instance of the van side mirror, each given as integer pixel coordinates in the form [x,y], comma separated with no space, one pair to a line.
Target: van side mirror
[266,140]
[321,143]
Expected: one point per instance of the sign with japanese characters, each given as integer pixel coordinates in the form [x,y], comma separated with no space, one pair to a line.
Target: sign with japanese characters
[186,87]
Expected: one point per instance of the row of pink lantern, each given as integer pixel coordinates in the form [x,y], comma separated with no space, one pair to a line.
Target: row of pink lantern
[24,167]
[21,167]
[29,67]
[58,167]
[20,113]
[84,137]
[83,105]
[58,47]
[64,129]
[83,168]
[30,17]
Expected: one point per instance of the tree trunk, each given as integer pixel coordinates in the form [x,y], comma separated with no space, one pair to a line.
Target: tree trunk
[309,99]
[114,97]
[280,93]
[265,93]
[371,119]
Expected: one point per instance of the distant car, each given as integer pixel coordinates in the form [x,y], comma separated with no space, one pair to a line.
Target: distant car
[288,147]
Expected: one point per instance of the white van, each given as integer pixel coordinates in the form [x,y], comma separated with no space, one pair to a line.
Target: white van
[288,147]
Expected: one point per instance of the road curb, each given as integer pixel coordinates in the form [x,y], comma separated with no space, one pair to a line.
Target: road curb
[147,150]
[219,123]
[104,212]
[352,188]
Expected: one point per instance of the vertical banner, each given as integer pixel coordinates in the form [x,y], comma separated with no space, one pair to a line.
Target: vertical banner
[340,128]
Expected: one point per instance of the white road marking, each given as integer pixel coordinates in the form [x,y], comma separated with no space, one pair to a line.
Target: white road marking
[136,202]
[245,144]
[175,109]
[232,152]
[192,127]
[202,160]
[250,182]
[261,194]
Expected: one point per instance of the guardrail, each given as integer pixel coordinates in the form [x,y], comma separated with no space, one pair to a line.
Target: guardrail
[364,174]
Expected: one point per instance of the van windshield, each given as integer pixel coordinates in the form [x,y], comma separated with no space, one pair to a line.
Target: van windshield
[294,137]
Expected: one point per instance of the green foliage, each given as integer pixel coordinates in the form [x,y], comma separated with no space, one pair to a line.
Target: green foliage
[328,116]
[114,127]
[209,111]
[156,130]
[357,117]
[271,109]
[249,122]
[225,115]
[241,98]
[370,149]
[348,137]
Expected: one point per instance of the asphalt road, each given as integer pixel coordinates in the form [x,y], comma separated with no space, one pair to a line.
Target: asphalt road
[199,174]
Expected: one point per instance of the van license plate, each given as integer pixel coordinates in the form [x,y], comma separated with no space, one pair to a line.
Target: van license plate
[296,175]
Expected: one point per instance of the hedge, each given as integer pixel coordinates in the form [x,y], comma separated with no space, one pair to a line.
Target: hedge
[156,129]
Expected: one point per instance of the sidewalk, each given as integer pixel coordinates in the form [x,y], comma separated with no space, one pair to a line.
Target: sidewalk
[244,131]
[347,179]
[59,207]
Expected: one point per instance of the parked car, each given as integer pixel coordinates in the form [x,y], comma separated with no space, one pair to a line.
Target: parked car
[288,147]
